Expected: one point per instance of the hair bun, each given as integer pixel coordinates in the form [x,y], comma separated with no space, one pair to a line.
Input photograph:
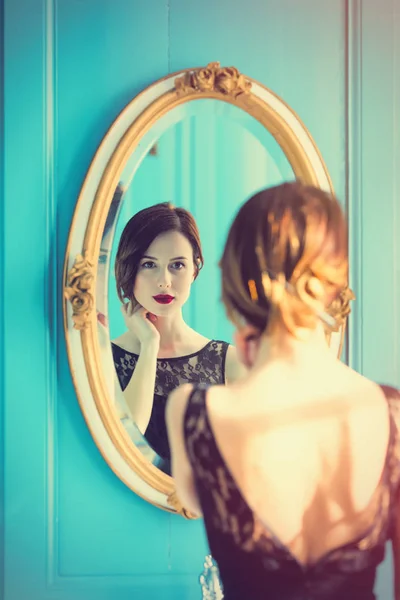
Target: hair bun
[295,230]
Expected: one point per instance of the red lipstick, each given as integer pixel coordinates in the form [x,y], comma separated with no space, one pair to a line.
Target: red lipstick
[163,299]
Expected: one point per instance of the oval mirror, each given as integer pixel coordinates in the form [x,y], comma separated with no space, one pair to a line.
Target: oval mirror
[204,140]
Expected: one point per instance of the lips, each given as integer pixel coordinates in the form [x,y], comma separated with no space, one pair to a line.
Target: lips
[163,299]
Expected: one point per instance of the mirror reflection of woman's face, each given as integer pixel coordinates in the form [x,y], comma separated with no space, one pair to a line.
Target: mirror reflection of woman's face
[165,274]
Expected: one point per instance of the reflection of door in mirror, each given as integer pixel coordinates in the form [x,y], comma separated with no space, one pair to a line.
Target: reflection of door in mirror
[208,158]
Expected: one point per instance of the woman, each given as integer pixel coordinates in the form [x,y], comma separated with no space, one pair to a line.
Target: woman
[298,497]
[159,256]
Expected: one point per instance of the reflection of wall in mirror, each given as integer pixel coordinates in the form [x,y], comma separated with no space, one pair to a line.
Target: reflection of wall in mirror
[104,265]
[101,305]
[209,165]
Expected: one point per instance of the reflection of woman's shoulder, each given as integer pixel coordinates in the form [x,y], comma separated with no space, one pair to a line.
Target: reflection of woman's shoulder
[125,342]
[234,368]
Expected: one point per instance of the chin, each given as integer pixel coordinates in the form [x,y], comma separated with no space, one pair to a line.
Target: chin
[164,310]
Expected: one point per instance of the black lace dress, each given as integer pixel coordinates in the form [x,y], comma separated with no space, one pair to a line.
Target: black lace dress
[253,563]
[205,366]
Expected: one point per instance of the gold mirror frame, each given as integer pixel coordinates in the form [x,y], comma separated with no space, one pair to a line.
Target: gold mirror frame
[83,248]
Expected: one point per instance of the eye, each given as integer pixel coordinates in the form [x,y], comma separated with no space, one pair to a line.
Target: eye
[149,264]
[178,265]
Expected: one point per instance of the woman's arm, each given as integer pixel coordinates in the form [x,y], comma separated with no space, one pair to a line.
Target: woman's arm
[181,468]
[139,393]
[234,369]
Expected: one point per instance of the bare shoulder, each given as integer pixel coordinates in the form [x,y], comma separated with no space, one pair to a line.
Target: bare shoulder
[196,340]
[373,399]
[391,393]
[127,342]
[234,368]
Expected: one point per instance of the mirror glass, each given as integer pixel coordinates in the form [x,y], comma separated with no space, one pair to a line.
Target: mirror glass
[206,156]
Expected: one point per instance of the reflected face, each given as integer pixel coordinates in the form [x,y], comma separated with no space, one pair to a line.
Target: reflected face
[165,274]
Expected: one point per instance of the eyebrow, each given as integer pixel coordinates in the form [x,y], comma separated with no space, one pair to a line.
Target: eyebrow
[175,257]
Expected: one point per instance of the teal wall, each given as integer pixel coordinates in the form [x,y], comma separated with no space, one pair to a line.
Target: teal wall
[70,529]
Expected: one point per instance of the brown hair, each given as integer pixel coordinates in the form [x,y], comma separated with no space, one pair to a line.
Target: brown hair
[139,233]
[285,258]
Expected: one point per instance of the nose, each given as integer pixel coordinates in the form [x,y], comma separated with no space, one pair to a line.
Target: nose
[164,281]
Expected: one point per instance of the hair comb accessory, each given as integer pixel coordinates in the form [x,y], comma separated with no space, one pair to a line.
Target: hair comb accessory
[274,284]
[272,290]
[340,309]
[253,290]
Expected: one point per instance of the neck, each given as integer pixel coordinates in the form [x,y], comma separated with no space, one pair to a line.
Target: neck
[297,354]
[172,330]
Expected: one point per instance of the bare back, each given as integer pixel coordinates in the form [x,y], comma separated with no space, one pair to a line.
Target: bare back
[308,462]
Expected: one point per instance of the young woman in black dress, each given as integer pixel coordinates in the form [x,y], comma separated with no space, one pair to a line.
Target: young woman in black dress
[295,467]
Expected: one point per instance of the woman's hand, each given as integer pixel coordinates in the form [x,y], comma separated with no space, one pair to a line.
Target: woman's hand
[140,322]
